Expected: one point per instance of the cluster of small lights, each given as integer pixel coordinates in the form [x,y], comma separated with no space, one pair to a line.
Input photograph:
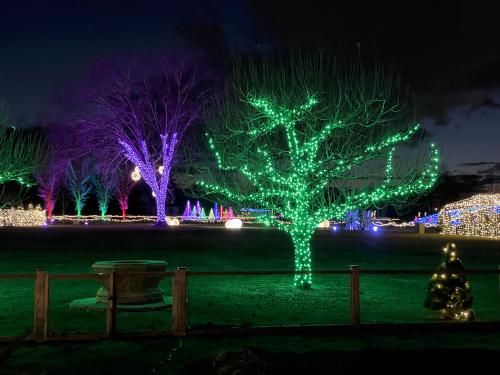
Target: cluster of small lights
[475,216]
[136,174]
[324,224]
[233,224]
[429,220]
[20,217]
[197,213]
[393,223]
[115,219]
[173,221]
[292,194]
[458,312]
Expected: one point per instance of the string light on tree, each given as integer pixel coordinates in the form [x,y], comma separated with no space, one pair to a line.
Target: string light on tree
[311,141]
[448,289]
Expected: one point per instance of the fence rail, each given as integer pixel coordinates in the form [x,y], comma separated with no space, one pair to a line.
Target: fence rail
[241,301]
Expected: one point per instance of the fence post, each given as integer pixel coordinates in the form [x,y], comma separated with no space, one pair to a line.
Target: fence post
[179,299]
[41,305]
[111,311]
[355,307]
[499,278]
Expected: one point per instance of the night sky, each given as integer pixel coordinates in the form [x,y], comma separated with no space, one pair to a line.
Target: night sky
[449,53]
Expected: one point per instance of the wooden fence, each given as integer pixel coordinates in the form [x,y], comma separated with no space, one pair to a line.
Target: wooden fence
[180,303]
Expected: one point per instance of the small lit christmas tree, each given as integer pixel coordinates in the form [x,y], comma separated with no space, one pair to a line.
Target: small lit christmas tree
[202,216]
[216,212]
[211,216]
[194,213]
[187,211]
[230,214]
[449,291]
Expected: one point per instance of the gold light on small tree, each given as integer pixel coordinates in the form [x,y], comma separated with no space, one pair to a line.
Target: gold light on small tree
[449,291]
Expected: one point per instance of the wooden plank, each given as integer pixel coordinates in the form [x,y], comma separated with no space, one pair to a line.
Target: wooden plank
[155,274]
[39,305]
[46,304]
[111,311]
[19,276]
[81,337]
[427,272]
[179,299]
[267,273]
[355,301]
[79,276]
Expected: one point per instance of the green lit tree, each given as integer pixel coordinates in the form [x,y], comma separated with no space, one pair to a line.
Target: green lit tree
[310,139]
[79,183]
[448,288]
[22,153]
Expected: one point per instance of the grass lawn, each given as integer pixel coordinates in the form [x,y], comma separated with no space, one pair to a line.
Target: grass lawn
[242,300]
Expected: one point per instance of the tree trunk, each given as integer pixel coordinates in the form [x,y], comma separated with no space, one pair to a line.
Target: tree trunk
[103,209]
[302,245]
[49,205]
[161,197]
[123,200]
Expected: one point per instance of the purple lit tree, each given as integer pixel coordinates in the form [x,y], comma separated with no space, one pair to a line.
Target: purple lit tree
[187,211]
[230,214]
[141,115]
[216,212]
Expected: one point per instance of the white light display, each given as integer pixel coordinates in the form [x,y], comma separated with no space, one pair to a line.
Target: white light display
[475,216]
[20,217]
[324,224]
[173,221]
[233,224]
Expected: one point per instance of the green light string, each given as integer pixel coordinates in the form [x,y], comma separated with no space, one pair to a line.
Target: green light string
[295,190]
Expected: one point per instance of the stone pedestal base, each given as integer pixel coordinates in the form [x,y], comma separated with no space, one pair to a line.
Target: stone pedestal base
[134,285]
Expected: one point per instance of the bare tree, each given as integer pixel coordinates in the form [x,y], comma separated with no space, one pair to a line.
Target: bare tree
[21,152]
[21,155]
[104,182]
[49,179]
[79,183]
[124,185]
